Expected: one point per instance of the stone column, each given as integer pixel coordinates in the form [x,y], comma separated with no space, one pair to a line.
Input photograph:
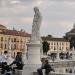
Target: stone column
[33,62]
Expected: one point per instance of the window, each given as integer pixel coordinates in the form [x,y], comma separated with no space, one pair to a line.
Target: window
[5,39]
[14,46]
[51,47]
[21,40]
[54,48]
[14,39]
[62,43]
[5,46]
[51,43]
[1,38]
[60,48]
[54,43]
[1,45]
[11,39]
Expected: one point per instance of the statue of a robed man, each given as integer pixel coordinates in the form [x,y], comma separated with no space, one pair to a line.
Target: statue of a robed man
[36,25]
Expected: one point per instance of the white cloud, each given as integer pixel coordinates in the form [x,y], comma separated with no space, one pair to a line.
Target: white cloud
[15,1]
[26,20]
[38,3]
[58,15]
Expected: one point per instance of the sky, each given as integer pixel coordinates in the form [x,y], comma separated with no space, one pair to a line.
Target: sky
[58,16]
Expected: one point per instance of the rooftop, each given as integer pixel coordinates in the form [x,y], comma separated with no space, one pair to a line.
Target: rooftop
[5,31]
[54,39]
[14,32]
[2,26]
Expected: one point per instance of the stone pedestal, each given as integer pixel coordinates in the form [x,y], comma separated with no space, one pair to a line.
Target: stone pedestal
[33,53]
[30,69]
[33,59]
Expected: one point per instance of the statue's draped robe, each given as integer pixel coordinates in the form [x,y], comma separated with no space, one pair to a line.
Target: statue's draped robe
[36,26]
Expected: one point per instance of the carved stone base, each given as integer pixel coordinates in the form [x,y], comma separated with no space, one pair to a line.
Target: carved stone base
[33,54]
[30,69]
[33,58]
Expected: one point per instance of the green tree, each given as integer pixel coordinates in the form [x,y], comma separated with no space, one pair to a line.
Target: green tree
[50,36]
[45,47]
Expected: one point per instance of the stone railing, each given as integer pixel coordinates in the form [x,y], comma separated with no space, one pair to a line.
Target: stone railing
[59,74]
[53,73]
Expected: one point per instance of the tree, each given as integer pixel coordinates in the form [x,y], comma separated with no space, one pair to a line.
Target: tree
[50,36]
[45,47]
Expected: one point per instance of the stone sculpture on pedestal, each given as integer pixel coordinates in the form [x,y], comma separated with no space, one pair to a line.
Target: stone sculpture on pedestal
[34,46]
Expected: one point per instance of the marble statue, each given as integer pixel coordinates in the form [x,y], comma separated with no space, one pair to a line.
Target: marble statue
[33,47]
[36,25]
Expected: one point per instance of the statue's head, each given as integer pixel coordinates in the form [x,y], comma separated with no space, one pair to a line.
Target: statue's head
[36,9]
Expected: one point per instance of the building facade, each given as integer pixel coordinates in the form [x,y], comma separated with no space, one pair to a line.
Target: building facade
[13,40]
[57,44]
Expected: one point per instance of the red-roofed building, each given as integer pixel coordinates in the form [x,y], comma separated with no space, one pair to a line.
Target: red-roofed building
[13,39]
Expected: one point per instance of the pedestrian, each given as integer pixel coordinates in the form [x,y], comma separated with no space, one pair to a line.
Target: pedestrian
[48,67]
[3,67]
[4,57]
[17,59]
[42,66]
[17,62]
[8,70]
[19,66]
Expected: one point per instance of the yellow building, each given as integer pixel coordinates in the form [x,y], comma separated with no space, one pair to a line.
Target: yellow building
[57,44]
[12,40]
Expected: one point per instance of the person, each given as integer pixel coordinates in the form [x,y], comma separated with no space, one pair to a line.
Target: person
[18,62]
[42,66]
[19,66]
[17,59]
[3,67]
[4,57]
[8,70]
[46,66]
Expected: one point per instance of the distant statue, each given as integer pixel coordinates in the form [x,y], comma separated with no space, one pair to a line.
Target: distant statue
[36,25]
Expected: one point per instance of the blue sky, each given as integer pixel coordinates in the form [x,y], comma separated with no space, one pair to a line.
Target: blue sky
[58,15]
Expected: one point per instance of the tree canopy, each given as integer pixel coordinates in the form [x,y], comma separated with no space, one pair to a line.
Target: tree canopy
[45,46]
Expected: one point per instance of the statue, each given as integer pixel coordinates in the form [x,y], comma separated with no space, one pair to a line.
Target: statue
[36,25]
